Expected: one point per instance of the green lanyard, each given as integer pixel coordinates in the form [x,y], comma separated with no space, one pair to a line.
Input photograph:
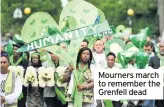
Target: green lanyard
[17,62]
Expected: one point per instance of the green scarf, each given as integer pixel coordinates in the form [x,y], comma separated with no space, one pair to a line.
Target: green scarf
[78,79]
[108,103]
[59,91]
[161,59]
[17,62]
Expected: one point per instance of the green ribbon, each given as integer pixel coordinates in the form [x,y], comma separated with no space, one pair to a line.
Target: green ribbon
[59,91]
[21,96]
[78,95]
[108,103]
[161,59]
[17,62]
[69,35]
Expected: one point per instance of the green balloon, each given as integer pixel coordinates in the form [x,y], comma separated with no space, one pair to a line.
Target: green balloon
[141,59]
[124,57]
[139,40]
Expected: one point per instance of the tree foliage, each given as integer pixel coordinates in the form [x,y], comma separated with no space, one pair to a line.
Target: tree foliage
[114,10]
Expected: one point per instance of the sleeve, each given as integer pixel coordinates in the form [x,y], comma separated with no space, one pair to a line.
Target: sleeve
[151,62]
[17,91]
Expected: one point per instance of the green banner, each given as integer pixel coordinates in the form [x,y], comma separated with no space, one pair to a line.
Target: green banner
[69,35]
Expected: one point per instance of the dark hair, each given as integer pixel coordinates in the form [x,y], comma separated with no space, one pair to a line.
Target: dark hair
[111,53]
[86,41]
[127,41]
[18,45]
[39,61]
[99,40]
[148,44]
[151,45]
[5,54]
[79,56]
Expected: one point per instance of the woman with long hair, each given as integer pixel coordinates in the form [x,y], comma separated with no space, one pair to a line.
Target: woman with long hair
[80,90]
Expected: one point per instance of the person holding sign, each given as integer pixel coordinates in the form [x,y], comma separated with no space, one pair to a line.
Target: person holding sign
[35,93]
[81,84]
[49,92]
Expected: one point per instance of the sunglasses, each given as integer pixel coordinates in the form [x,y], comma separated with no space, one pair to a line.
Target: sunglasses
[4,54]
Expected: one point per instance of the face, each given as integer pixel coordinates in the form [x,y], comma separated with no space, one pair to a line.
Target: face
[161,48]
[54,57]
[110,61]
[85,56]
[35,59]
[148,49]
[84,44]
[99,46]
[4,64]
[16,54]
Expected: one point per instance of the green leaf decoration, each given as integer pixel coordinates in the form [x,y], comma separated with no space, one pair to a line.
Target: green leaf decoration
[72,11]
[82,21]
[44,21]
[32,22]
[86,10]
[142,59]
[35,24]
[115,46]
[33,34]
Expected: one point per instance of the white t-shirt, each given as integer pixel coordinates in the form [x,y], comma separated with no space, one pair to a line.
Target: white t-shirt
[3,78]
[17,91]
[100,60]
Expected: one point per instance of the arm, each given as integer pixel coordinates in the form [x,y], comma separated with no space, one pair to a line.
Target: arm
[17,91]
[66,77]
[151,62]
[86,86]
[89,85]
[67,74]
